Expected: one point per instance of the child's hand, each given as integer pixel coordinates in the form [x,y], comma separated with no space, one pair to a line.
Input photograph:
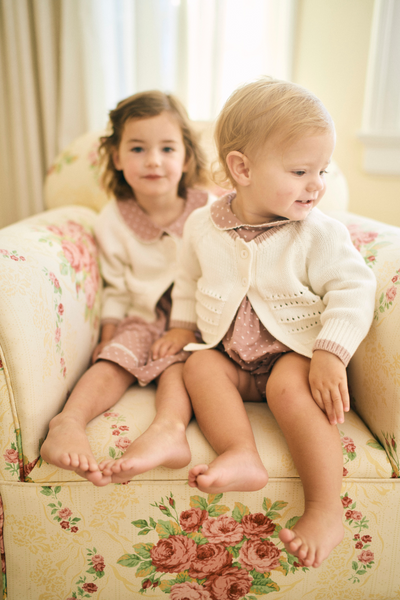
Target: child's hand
[97,350]
[328,382]
[107,333]
[172,342]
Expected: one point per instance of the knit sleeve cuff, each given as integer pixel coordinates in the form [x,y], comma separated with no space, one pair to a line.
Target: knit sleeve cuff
[334,348]
[182,325]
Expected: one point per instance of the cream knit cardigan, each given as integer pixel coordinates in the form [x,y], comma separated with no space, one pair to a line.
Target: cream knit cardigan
[306,282]
[137,272]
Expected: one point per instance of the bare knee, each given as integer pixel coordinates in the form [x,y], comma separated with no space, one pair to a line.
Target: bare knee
[197,365]
[110,373]
[288,382]
[206,364]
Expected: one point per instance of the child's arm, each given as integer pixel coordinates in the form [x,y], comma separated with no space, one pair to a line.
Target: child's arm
[172,342]
[115,262]
[328,383]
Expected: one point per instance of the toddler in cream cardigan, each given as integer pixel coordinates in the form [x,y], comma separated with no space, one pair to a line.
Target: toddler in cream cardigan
[282,300]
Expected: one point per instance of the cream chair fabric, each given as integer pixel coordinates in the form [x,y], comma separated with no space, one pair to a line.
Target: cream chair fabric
[63,538]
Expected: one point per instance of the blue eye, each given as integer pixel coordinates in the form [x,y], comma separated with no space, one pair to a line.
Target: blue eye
[299,173]
[323,172]
[168,149]
[137,149]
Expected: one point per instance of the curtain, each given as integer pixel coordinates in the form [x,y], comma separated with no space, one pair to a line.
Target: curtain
[65,63]
[380,132]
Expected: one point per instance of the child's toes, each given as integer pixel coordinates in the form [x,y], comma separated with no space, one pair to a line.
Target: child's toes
[105,467]
[305,555]
[290,539]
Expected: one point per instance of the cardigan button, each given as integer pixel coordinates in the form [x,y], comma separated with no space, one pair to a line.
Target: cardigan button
[244,282]
[244,254]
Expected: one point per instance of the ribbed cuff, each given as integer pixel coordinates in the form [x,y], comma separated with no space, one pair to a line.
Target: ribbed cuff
[182,325]
[334,348]
[342,333]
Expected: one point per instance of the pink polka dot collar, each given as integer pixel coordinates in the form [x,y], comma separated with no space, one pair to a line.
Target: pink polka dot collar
[144,228]
[223,217]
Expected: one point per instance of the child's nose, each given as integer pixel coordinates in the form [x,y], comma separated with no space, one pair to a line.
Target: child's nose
[153,158]
[316,184]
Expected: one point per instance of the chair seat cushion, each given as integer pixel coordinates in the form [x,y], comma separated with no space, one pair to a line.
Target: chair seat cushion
[110,433]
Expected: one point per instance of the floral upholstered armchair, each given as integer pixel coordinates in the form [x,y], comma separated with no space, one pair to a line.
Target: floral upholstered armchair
[63,538]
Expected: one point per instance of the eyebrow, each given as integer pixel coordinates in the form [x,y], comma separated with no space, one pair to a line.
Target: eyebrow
[142,141]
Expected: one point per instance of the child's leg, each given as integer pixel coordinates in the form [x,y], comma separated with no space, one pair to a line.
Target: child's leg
[216,386]
[316,450]
[66,444]
[164,442]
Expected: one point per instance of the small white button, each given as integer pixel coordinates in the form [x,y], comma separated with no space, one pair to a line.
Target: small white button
[244,282]
[244,254]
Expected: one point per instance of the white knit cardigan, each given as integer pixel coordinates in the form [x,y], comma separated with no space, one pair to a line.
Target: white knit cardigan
[137,271]
[307,283]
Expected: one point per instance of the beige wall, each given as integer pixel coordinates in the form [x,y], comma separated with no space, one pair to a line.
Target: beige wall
[331,54]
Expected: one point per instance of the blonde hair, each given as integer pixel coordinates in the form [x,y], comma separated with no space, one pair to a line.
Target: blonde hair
[261,110]
[145,105]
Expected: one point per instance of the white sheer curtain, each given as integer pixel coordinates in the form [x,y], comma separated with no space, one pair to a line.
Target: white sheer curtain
[65,63]
[381,120]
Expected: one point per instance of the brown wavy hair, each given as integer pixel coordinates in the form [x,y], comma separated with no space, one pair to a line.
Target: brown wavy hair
[145,105]
[263,109]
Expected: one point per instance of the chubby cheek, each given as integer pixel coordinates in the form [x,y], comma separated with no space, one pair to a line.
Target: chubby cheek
[321,192]
[287,192]
[175,172]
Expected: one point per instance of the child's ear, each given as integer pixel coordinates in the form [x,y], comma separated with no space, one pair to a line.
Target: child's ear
[116,161]
[238,165]
[187,164]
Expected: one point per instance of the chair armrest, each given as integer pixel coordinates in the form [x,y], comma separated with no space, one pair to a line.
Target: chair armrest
[50,307]
[374,371]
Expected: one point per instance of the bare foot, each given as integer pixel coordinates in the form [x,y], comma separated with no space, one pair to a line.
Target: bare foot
[66,446]
[236,470]
[315,535]
[96,477]
[159,445]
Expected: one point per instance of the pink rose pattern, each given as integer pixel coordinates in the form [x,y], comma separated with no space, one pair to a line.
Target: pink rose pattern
[119,431]
[60,514]
[391,449]
[66,158]
[387,297]
[94,162]
[68,523]
[59,312]
[189,590]
[356,520]
[13,458]
[213,556]
[12,255]
[78,260]
[96,569]
[364,242]
[369,244]
[349,451]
